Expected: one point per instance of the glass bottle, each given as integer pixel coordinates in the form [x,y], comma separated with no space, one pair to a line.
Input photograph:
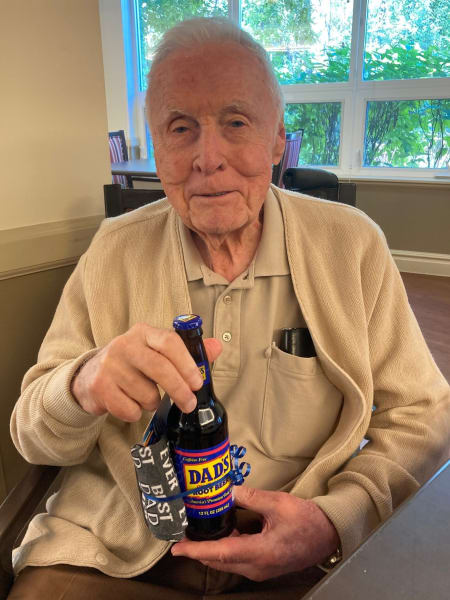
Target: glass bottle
[200,447]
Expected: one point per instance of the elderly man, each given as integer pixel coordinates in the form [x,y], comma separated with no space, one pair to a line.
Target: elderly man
[251,259]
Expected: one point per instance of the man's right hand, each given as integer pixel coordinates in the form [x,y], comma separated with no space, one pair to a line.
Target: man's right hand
[121,378]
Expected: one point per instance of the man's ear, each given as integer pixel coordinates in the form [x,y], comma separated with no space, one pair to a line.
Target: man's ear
[280,142]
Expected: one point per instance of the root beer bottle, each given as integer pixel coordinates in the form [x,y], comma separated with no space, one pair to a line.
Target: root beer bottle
[200,447]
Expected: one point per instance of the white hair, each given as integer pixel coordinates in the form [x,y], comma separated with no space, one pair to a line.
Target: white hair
[201,30]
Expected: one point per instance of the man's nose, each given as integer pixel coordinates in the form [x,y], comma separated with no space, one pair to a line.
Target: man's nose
[210,152]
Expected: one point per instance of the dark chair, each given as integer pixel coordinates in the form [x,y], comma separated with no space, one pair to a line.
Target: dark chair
[15,513]
[319,183]
[289,158]
[118,152]
[119,200]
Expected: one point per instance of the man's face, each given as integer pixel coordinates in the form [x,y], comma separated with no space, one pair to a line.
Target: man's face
[216,133]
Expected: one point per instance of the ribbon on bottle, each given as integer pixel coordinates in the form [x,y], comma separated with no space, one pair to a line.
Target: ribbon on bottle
[237,474]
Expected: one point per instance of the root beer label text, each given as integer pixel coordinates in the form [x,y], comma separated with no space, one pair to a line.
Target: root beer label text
[198,468]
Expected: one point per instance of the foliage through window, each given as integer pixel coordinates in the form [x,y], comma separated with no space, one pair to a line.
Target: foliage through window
[308,42]
[407,133]
[407,39]
[321,122]
[368,106]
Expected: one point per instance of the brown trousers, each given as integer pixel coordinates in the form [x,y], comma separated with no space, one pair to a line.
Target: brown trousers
[173,578]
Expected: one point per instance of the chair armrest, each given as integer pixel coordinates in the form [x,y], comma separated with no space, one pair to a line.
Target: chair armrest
[18,507]
[302,179]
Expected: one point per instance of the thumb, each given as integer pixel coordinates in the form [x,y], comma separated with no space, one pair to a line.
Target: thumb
[260,501]
[213,348]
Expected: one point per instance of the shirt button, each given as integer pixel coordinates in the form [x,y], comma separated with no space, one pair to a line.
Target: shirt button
[227,299]
[226,336]
[101,559]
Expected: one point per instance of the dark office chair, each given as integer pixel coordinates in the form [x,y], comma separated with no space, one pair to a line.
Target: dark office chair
[319,183]
[289,158]
[118,152]
[119,200]
[15,513]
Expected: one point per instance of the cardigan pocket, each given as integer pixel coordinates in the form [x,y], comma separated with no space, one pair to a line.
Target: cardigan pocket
[301,406]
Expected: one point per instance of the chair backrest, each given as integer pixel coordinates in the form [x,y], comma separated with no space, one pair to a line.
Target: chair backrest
[118,152]
[289,158]
[119,200]
[319,183]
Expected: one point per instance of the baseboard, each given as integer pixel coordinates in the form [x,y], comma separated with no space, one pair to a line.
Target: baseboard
[33,248]
[424,263]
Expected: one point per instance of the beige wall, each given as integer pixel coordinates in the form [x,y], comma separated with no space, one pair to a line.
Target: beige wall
[114,65]
[54,160]
[414,217]
[27,305]
[54,152]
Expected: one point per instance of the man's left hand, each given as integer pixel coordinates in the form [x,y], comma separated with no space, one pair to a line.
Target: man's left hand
[296,534]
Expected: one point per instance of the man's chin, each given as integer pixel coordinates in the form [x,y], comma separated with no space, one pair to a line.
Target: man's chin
[216,230]
[218,224]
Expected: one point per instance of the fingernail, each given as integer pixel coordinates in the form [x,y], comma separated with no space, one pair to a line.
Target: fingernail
[191,404]
[198,380]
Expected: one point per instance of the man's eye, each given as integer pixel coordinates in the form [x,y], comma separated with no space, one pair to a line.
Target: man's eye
[179,129]
[237,123]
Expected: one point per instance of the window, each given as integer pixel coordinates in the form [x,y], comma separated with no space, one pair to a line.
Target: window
[321,123]
[407,133]
[367,80]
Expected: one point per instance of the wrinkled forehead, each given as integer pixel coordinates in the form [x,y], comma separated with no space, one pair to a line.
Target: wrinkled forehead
[214,68]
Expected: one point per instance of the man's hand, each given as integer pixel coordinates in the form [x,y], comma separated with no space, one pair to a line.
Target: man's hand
[296,534]
[121,378]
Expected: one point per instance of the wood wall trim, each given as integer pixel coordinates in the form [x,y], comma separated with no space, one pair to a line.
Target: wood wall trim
[33,248]
[25,250]
[425,263]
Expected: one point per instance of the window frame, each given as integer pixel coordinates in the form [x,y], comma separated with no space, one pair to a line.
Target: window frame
[353,95]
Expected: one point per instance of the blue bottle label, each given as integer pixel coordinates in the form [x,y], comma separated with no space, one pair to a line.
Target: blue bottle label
[205,467]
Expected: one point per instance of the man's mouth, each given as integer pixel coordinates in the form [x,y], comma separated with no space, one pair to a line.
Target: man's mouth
[213,194]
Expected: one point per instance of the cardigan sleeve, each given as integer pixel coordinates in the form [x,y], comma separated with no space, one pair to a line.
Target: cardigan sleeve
[47,425]
[409,429]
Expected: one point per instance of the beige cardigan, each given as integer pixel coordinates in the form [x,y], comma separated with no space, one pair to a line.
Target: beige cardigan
[367,340]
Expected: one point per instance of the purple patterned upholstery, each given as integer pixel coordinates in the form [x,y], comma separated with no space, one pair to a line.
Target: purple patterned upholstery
[290,156]
[118,153]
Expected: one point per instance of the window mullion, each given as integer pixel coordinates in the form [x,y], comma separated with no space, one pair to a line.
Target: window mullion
[358,38]
[235,11]
[355,135]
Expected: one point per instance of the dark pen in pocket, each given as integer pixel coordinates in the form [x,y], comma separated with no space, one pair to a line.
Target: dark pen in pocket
[298,341]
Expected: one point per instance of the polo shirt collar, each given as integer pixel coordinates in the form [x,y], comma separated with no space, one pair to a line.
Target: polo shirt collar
[270,258]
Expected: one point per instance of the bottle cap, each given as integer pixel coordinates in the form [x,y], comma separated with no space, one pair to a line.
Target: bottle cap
[185,322]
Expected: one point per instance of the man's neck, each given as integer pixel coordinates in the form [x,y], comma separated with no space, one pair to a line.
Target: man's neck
[231,256]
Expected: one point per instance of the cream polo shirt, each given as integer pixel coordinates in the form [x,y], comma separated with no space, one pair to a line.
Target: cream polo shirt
[294,408]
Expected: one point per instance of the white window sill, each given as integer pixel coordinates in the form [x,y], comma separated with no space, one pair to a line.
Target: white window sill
[384,178]
[396,180]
